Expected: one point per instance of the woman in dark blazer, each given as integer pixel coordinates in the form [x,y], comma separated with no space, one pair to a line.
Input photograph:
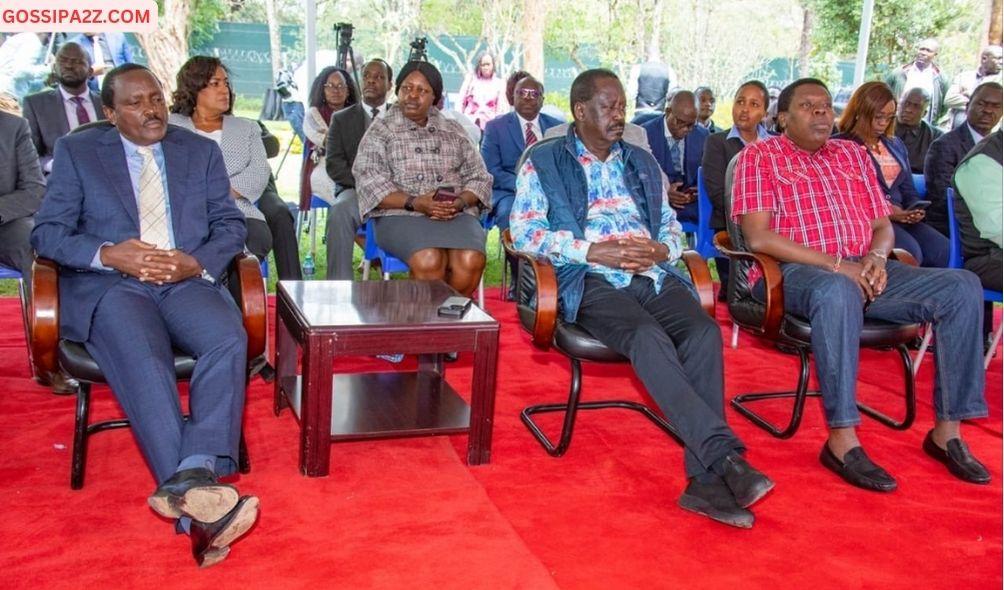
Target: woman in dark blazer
[749,107]
[870,120]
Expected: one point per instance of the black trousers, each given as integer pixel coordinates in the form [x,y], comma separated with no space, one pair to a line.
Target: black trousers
[676,350]
[259,240]
[283,229]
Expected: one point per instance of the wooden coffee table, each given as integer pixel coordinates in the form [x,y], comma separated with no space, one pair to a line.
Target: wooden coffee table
[322,320]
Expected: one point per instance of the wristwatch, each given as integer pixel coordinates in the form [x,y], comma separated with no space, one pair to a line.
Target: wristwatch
[409,203]
[205,275]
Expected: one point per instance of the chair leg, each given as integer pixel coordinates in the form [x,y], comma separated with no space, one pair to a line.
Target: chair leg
[993,345]
[911,405]
[243,459]
[366,269]
[78,460]
[924,345]
[572,407]
[799,394]
[735,335]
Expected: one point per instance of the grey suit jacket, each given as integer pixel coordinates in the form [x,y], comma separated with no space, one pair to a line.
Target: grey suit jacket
[21,182]
[345,131]
[47,119]
[244,156]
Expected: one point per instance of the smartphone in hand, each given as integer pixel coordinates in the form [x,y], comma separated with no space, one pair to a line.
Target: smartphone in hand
[445,193]
[919,206]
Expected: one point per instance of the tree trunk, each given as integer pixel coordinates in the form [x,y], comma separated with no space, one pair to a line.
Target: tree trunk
[994,23]
[532,37]
[167,48]
[805,43]
[275,47]
[655,39]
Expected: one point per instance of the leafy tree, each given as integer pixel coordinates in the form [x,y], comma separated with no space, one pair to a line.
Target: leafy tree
[897,26]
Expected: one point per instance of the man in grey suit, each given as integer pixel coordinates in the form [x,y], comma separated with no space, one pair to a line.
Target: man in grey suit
[55,112]
[345,131]
[21,190]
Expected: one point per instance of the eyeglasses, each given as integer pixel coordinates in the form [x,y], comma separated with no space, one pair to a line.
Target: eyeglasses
[529,93]
[336,87]
[419,90]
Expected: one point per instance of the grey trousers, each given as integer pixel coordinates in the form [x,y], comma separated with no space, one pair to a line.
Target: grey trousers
[343,222]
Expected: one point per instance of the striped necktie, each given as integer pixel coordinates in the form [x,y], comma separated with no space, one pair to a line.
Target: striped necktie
[531,137]
[152,203]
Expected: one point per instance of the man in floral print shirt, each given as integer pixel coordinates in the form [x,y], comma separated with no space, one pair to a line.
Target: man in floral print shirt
[597,208]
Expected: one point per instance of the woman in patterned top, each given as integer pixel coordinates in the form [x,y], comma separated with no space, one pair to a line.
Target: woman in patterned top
[423,183]
[870,119]
[203,103]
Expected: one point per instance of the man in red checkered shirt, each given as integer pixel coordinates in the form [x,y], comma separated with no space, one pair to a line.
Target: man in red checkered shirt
[815,205]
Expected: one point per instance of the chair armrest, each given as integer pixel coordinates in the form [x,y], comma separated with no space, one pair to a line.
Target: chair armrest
[545,316]
[770,325]
[701,277]
[43,316]
[250,297]
[903,256]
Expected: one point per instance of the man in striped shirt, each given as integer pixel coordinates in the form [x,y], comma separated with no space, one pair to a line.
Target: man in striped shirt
[814,203]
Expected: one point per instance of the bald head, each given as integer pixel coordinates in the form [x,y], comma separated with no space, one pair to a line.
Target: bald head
[681,114]
[990,60]
[72,67]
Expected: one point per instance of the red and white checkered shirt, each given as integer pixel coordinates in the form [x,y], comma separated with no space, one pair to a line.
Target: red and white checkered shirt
[824,200]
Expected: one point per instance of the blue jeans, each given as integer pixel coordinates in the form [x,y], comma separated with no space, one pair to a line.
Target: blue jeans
[925,243]
[833,304]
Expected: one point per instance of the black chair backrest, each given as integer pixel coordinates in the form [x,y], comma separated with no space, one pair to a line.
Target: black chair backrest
[743,308]
[99,124]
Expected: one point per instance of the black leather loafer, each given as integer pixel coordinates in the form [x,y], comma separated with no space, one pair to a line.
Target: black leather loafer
[958,459]
[194,493]
[858,470]
[748,485]
[211,541]
[714,499]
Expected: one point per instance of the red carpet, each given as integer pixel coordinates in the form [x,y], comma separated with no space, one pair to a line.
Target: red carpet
[409,513]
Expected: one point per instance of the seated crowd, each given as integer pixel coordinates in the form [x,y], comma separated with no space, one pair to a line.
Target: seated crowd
[600,197]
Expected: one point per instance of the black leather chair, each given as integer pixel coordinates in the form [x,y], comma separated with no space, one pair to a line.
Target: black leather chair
[52,353]
[537,307]
[768,320]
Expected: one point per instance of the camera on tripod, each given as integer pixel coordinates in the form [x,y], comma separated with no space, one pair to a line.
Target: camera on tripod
[418,51]
[344,32]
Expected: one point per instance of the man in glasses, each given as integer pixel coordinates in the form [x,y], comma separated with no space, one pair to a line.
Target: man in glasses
[505,139]
[678,145]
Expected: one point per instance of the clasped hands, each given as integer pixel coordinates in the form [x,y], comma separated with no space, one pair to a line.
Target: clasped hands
[869,274]
[632,254]
[907,216]
[149,263]
[427,205]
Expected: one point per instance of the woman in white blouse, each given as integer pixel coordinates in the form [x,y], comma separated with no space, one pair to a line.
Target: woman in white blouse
[332,91]
[203,103]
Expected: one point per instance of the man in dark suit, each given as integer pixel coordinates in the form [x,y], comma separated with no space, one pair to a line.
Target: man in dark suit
[54,112]
[505,139]
[678,145]
[106,50]
[916,133]
[21,190]
[345,131]
[982,115]
[140,218]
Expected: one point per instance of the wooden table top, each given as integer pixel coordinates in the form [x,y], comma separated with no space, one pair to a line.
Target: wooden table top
[374,304]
